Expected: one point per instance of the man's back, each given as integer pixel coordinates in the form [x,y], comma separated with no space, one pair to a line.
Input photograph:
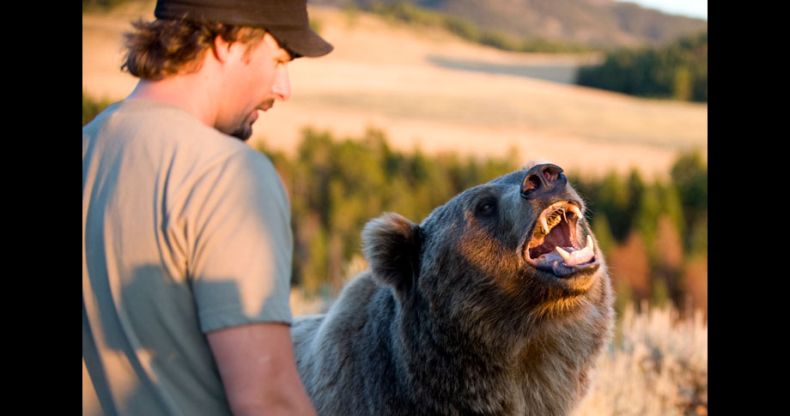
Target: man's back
[188,231]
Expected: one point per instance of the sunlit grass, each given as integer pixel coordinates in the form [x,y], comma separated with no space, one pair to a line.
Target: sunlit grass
[657,365]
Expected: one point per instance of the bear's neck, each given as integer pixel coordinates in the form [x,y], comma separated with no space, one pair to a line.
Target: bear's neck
[541,373]
[552,367]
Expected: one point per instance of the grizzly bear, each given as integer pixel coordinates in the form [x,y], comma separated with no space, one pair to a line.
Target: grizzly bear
[497,303]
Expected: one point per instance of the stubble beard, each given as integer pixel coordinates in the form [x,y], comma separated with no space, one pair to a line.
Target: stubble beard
[244,132]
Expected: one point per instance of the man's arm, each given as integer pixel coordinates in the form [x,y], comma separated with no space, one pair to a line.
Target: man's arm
[258,369]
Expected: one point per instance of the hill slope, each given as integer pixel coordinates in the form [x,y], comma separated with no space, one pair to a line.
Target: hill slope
[393,77]
[600,23]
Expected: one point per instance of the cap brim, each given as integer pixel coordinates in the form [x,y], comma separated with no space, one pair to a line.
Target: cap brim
[302,42]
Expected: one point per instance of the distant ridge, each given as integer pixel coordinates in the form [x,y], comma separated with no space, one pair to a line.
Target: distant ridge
[595,23]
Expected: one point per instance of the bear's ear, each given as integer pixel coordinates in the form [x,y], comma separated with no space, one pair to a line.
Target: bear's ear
[391,244]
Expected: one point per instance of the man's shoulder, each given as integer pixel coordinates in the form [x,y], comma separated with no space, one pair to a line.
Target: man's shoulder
[164,136]
[153,125]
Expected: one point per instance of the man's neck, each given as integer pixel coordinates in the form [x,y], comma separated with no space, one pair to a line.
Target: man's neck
[190,92]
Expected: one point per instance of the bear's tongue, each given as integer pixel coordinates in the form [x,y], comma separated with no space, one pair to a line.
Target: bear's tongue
[569,256]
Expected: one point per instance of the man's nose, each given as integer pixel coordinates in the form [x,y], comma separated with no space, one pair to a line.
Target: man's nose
[543,180]
[282,85]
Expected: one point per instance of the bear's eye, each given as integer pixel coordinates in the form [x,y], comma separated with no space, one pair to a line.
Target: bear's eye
[486,207]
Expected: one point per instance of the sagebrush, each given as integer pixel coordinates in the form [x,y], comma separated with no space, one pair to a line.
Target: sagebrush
[657,365]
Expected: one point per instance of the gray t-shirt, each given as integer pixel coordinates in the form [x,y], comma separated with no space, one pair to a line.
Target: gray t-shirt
[185,230]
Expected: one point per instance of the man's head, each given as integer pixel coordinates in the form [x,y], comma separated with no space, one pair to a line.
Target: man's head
[252,40]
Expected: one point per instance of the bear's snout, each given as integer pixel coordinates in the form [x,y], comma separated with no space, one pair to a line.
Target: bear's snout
[543,181]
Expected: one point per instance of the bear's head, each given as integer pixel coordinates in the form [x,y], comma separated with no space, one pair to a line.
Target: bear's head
[499,257]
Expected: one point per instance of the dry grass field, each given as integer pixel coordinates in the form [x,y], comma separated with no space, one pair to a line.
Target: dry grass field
[403,80]
[657,365]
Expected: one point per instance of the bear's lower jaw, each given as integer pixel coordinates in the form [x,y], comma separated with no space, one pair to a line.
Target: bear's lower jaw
[562,270]
[578,284]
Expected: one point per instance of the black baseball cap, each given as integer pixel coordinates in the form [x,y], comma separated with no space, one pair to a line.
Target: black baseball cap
[286,20]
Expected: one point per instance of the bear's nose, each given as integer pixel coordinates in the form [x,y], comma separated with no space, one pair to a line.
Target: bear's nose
[543,180]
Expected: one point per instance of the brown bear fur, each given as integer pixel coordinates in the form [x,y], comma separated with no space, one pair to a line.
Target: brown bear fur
[451,320]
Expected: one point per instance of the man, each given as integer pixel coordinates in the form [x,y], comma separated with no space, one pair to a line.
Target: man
[186,230]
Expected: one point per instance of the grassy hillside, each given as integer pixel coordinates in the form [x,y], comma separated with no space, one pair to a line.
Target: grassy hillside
[593,23]
[402,80]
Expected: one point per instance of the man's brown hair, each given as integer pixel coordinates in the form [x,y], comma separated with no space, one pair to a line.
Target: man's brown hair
[160,48]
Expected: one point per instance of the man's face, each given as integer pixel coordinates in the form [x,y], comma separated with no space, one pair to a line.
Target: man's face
[256,79]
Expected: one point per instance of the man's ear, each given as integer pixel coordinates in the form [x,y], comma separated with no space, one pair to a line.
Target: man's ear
[391,244]
[221,49]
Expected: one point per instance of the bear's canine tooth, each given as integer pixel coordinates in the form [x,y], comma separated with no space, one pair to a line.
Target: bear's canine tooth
[565,255]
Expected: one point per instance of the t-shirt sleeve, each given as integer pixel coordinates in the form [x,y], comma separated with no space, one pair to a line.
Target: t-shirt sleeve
[239,233]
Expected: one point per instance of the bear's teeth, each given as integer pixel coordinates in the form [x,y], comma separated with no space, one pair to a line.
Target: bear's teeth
[578,256]
[544,225]
[575,210]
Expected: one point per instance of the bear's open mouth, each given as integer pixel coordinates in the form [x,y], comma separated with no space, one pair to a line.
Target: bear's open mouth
[554,246]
